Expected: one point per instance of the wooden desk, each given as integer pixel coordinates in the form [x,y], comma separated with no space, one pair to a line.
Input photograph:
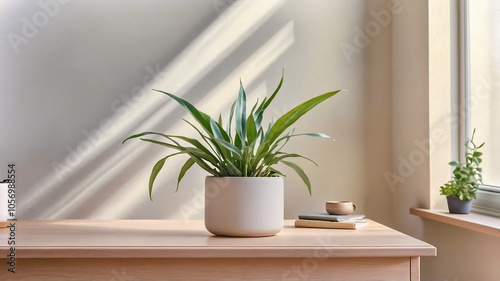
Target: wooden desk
[183,250]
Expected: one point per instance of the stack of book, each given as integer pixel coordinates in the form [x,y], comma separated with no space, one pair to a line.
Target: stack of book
[324,220]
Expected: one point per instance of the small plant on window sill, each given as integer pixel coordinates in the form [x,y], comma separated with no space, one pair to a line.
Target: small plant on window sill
[466,179]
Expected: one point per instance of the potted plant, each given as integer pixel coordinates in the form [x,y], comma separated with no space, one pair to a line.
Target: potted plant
[244,194]
[461,189]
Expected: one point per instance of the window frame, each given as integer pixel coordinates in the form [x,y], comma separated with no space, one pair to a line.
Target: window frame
[488,196]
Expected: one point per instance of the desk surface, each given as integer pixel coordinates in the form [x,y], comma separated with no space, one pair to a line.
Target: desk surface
[189,239]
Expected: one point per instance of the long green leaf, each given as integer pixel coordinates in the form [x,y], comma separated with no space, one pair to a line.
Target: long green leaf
[201,162]
[259,113]
[229,146]
[241,112]
[156,169]
[199,156]
[199,116]
[190,150]
[251,130]
[238,142]
[223,133]
[293,115]
[268,102]
[254,107]
[205,138]
[215,129]
[233,170]
[286,138]
[189,163]
[301,173]
[192,141]
[289,155]
[220,120]
[274,171]
[317,135]
[230,120]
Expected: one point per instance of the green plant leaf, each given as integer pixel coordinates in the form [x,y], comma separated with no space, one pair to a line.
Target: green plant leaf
[251,130]
[301,173]
[156,169]
[189,163]
[454,163]
[215,129]
[317,135]
[253,149]
[274,171]
[241,111]
[205,138]
[266,103]
[233,170]
[191,141]
[293,115]
[189,150]
[220,120]
[229,146]
[238,142]
[290,155]
[253,108]
[229,121]
[199,116]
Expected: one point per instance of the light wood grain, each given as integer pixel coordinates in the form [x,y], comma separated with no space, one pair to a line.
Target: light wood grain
[473,221]
[184,250]
[345,269]
[189,239]
[415,268]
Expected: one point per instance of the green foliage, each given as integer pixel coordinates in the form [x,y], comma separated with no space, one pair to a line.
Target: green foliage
[251,150]
[466,176]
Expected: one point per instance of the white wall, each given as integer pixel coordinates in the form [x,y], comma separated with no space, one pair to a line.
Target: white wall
[81,82]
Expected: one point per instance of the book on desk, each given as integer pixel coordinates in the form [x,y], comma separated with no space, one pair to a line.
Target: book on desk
[323,220]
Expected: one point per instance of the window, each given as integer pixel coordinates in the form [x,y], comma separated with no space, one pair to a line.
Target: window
[481,96]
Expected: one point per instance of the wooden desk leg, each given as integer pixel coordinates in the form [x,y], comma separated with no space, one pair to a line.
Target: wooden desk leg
[415,268]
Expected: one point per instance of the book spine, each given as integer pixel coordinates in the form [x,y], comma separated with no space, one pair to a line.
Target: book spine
[325,224]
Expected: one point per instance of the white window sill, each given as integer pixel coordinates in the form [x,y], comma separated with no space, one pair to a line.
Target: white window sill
[473,221]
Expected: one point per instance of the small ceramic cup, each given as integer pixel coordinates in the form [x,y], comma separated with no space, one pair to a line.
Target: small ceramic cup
[340,207]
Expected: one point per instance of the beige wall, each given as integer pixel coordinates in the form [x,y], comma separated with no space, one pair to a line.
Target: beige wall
[73,89]
[424,54]
[76,85]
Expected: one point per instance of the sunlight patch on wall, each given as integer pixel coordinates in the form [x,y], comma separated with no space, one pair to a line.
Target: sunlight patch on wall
[208,50]
[216,100]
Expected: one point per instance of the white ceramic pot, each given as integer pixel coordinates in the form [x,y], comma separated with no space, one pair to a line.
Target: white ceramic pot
[244,206]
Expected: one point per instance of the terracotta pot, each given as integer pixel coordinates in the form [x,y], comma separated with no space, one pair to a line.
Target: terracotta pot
[244,206]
